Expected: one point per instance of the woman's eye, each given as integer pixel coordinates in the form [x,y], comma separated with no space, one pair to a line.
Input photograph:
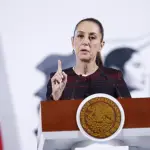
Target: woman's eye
[92,37]
[80,36]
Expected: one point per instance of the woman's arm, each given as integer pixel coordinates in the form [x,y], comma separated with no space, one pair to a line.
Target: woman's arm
[49,88]
[122,86]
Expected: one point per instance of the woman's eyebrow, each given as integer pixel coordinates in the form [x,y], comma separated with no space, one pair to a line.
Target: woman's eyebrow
[91,33]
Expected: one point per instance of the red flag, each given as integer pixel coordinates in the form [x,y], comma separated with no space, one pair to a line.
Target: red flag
[1,148]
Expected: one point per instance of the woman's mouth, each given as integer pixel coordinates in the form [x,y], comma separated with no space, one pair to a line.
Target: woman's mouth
[84,50]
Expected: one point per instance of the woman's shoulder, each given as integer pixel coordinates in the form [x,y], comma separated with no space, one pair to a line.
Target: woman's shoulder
[111,72]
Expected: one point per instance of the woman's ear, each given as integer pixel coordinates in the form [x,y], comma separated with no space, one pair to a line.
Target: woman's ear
[102,44]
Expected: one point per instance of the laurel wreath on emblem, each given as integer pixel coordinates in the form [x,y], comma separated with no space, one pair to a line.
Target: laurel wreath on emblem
[100,116]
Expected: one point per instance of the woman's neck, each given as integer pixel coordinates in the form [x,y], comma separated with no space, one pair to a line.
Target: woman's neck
[85,69]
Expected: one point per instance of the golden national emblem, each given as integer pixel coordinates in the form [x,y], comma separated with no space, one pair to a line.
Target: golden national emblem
[100,117]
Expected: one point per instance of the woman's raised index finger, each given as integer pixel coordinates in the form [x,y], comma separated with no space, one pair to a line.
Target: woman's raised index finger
[59,66]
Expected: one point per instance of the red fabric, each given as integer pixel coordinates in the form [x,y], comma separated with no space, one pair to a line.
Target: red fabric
[1,148]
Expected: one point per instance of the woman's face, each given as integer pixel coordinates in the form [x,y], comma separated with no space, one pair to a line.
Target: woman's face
[87,41]
[135,75]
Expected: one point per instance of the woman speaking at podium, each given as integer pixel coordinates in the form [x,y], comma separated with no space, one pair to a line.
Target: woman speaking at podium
[88,76]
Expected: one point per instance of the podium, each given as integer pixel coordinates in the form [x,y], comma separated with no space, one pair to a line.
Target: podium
[58,128]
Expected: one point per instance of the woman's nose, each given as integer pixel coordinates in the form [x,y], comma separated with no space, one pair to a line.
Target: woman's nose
[85,41]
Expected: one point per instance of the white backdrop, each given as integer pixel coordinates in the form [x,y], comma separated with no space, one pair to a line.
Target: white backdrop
[32,29]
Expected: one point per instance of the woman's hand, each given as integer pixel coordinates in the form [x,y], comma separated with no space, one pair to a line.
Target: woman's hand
[58,81]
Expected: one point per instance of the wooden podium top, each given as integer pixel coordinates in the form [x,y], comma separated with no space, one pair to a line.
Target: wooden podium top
[61,115]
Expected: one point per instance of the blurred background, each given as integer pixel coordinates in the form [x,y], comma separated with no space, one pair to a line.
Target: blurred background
[34,34]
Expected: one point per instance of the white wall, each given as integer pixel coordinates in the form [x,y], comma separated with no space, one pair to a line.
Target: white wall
[33,29]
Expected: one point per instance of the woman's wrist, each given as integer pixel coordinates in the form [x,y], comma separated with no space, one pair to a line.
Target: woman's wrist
[54,97]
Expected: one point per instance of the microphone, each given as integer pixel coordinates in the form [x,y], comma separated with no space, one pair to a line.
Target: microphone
[87,93]
[89,87]
[114,85]
[117,90]
[88,79]
[74,89]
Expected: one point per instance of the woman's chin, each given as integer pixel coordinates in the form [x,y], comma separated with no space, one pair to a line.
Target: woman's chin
[84,58]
